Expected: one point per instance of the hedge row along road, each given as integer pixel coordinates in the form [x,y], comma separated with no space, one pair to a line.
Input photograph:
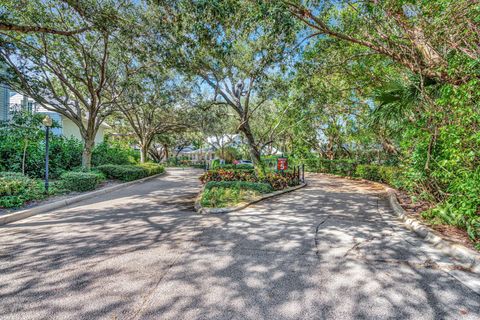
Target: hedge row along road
[332,250]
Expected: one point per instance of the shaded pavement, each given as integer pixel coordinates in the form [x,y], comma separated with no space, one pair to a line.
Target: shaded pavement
[332,250]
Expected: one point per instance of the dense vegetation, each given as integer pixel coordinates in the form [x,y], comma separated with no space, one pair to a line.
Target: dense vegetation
[385,90]
[230,193]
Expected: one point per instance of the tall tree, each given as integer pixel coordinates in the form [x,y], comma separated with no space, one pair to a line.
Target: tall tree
[10,21]
[79,76]
[232,47]
[153,105]
[427,37]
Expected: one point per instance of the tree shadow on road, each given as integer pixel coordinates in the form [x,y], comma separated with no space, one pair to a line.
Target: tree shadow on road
[322,252]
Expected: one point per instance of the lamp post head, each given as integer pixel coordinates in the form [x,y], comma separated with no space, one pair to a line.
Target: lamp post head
[47,121]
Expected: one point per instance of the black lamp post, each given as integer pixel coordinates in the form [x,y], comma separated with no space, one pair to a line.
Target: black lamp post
[47,122]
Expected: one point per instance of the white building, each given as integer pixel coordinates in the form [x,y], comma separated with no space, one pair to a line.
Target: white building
[67,127]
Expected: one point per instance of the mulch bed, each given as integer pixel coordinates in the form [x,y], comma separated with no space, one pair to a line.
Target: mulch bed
[448,232]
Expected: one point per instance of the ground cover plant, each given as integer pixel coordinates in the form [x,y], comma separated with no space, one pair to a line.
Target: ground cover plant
[16,189]
[230,193]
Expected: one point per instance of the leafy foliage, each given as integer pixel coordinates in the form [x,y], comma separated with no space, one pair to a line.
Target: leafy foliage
[257,186]
[16,189]
[130,172]
[81,181]
[228,175]
[22,148]
[113,153]
[229,193]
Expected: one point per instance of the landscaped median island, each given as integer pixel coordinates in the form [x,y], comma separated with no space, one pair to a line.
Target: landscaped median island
[230,187]
[18,190]
[222,194]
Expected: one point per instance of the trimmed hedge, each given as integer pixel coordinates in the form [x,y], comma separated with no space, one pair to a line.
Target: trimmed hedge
[16,189]
[256,186]
[344,167]
[152,168]
[242,166]
[81,181]
[130,172]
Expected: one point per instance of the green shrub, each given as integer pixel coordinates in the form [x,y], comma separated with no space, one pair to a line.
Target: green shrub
[243,166]
[343,167]
[16,189]
[462,207]
[65,154]
[215,164]
[113,153]
[122,172]
[152,168]
[256,186]
[239,167]
[81,181]
[390,175]
[368,171]
[130,172]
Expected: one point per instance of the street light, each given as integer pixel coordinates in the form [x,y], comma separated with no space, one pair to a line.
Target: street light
[47,122]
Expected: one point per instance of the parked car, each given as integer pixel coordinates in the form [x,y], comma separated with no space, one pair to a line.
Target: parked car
[245,162]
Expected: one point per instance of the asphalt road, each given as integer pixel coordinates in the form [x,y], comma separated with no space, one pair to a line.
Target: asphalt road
[332,250]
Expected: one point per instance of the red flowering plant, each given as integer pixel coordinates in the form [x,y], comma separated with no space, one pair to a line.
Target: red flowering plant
[228,175]
[280,181]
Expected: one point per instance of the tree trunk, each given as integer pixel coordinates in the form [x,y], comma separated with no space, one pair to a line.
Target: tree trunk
[330,153]
[87,153]
[254,151]
[143,152]
[165,147]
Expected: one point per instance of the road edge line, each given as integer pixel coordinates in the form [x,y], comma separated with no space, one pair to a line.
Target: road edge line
[23,214]
[457,251]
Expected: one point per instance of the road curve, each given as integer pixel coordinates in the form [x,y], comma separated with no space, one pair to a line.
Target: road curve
[332,250]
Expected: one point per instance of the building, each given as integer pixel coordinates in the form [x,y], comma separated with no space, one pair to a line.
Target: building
[4,102]
[67,127]
[197,156]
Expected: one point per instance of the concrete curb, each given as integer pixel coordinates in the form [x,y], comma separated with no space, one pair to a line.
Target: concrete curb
[23,214]
[202,210]
[468,257]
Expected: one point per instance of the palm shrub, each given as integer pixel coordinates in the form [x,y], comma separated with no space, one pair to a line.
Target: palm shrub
[462,207]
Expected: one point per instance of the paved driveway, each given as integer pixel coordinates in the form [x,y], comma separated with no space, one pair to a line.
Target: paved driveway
[332,250]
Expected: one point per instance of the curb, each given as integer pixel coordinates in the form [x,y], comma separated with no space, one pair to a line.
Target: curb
[469,257]
[243,205]
[23,214]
